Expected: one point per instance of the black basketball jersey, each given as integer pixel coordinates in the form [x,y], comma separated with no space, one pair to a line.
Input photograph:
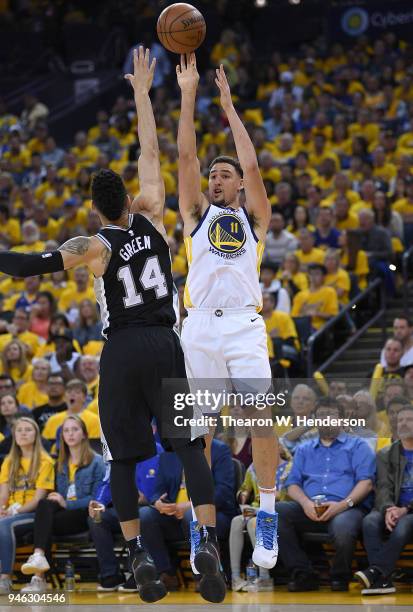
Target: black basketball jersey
[137,288]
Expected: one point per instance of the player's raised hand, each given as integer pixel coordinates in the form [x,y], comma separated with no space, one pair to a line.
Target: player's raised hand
[187,73]
[224,89]
[142,76]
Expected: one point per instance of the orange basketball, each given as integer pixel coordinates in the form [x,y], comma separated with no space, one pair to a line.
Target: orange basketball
[181,28]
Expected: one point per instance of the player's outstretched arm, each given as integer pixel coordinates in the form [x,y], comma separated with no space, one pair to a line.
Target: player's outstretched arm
[256,196]
[191,200]
[74,252]
[151,198]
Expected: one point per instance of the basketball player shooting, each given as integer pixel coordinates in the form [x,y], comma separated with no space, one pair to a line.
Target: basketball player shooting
[130,260]
[223,337]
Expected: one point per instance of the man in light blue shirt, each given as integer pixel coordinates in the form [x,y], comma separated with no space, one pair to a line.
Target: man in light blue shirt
[342,469]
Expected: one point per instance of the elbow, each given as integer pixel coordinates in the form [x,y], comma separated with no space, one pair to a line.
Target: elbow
[251,166]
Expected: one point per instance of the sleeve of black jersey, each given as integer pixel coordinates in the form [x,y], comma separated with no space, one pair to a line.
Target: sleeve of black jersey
[21,265]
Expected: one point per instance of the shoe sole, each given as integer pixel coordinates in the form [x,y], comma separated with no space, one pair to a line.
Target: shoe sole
[28,570]
[213,588]
[153,591]
[264,564]
[206,564]
[362,578]
[383,591]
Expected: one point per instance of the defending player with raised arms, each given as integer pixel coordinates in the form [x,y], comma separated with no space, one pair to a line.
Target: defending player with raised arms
[223,336]
[130,260]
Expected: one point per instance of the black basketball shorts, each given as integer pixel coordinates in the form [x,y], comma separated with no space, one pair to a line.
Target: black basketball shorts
[133,364]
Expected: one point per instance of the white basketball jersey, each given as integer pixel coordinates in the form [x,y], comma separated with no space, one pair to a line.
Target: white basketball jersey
[224,258]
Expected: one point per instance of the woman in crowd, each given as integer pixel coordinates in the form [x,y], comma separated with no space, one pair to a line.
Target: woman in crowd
[25,478]
[33,393]
[14,362]
[388,218]
[353,258]
[78,474]
[290,276]
[9,407]
[301,220]
[89,327]
[42,313]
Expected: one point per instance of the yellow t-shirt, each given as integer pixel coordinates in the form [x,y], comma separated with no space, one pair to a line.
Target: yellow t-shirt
[283,323]
[386,172]
[87,156]
[169,220]
[73,295]
[316,255]
[24,491]
[182,496]
[405,208]
[16,375]
[71,492]
[54,422]
[340,280]
[299,279]
[351,223]
[31,340]
[54,201]
[31,396]
[324,298]
[12,229]
[361,269]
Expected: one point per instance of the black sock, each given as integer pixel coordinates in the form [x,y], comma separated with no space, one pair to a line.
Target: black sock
[134,544]
[212,532]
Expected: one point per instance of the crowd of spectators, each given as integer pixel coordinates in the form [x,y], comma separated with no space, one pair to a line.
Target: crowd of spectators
[334,137]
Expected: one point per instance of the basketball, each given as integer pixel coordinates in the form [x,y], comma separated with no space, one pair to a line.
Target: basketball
[181,28]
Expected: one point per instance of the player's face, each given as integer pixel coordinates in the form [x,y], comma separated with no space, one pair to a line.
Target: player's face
[224,184]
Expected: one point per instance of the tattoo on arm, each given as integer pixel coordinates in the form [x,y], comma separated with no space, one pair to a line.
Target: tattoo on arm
[105,254]
[77,246]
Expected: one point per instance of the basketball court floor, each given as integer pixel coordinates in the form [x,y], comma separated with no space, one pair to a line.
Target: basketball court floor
[277,601]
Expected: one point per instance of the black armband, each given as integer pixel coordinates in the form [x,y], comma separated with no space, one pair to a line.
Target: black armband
[21,265]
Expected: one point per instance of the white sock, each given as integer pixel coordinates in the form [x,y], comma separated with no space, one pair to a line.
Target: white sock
[267,500]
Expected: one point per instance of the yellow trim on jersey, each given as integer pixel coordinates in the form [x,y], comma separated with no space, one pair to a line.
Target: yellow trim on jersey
[188,248]
[187,298]
[260,253]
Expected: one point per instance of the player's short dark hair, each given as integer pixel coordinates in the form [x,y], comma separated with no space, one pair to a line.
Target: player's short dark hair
[226,159]
[109,194]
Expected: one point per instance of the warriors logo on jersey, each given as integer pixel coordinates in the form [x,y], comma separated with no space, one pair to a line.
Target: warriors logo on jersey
[227,234]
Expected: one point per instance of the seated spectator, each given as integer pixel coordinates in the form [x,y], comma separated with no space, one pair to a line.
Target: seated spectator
[345,219]
[394,406]
[282,337]
[41,314]
[269,284]
[374,429]
[326,235]
[14,362]
[59,324]
[249,497]
[75,397]
[279,241]
[238,438]
[33,393]
[403,331]
[392,353]
[353,258]
[408,381]
[375,241]
[26,298]
[88,367]
[9,408]
[170,516]
[318,302]
[55,401]
[307,253]
[19,329]
[57,283]
[89,326]
[290,276]
[301,220]
[78,473]
[302,404]
[387,218]
[404,207]
[341,468]
[26,476]
[65,357]
[104,523]
[337,277]
[389,527]
[72,296]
